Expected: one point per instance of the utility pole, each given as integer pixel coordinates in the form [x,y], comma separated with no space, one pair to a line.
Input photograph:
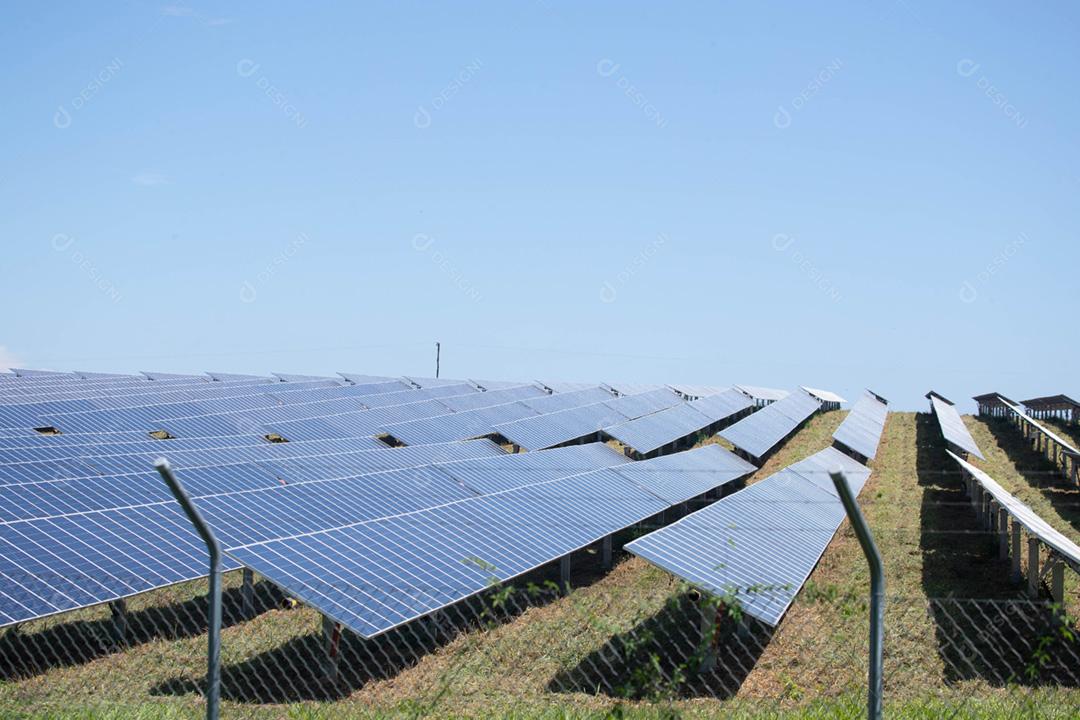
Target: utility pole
[438,352]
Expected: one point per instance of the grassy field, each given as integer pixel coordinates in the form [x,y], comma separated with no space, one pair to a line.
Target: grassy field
[588,654]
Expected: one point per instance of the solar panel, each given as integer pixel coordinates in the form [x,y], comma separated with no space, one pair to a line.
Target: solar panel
[952,425]
[120,459]
[679,477]
[563,399]
[492,397]
[824,395]
[550,429]
[559,386]
[426,382]
[140,413]
[234,377]
[759,433]
[290,377]
[762,395]
[361,379]
[759,545]
[456,426]
[635,388]
[497,384]
[693,392]
[354,398]
[861,429]
[654,431]
[92,414]
[157,376]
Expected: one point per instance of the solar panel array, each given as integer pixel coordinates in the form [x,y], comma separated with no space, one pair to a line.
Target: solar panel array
[952,425]
[84,520]
[862,428]
[652,432]
[759,433]
[758,546]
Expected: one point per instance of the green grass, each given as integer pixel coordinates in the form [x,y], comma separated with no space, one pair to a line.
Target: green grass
[538,662]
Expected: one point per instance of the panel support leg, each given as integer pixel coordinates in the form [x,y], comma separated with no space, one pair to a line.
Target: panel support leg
[605,552]
[120,624]
[1057,583]
[1033,568]
[1003,534]
[247,594]
[1017,550]
[331,636]
[564,574]
[709,611]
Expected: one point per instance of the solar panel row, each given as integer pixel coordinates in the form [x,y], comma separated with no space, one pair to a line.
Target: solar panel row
[952,425]
[757,547]
[563,426]
[652,432]
[482,421]
[1035,525]
[759,433]
[862,428]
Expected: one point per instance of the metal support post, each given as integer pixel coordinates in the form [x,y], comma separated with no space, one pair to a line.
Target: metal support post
[877,592]
[213,613]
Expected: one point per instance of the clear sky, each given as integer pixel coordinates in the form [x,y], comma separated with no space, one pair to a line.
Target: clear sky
[865,194]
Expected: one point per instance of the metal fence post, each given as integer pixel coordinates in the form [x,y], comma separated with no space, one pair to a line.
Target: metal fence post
[877,591]
[213,614]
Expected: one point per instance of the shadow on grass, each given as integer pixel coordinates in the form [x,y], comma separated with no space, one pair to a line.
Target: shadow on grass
[959,557]
[299,670]
[24,655]
[1004,639]
[1037,470]
[662,658]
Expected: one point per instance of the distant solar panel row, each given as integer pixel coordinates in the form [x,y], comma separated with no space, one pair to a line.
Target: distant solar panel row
[758,546]
[132,460]
[652,432]
[862,428]
[551,429]
[482,421]
[952,425]
[759,433]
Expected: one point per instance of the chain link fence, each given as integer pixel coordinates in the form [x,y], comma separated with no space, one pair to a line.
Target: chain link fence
[632,642]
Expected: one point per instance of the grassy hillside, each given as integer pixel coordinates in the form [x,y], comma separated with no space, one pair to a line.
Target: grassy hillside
[589,653]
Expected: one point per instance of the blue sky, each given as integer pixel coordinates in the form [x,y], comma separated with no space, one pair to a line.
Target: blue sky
[866,194]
